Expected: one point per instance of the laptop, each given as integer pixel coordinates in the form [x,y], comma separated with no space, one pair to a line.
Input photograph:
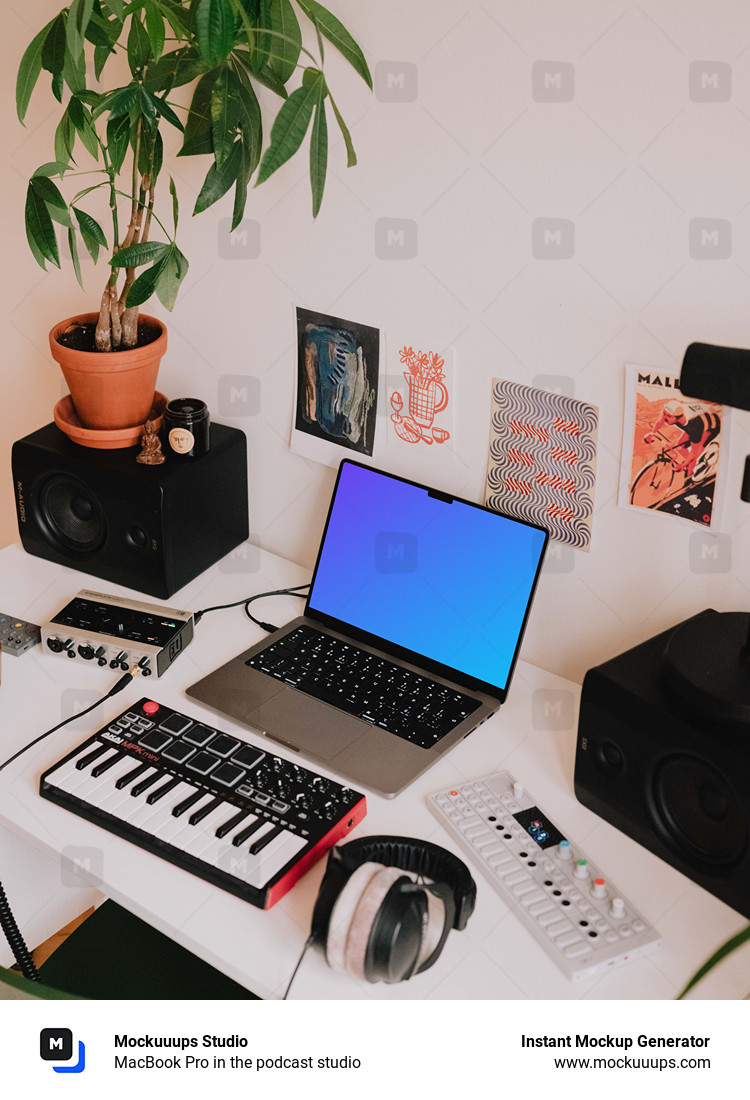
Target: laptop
[409,638]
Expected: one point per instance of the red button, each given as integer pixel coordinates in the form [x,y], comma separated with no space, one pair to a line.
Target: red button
[150,707]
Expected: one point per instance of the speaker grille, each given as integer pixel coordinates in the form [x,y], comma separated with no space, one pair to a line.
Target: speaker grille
[72,514]
[699,811]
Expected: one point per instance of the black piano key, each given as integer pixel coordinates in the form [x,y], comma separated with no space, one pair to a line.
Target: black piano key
[260,844]
[184,806]
[161,791]
[90,757]
[232,823]
[130,777]
[144,784]
[247,832]
[100,769]
[204,811]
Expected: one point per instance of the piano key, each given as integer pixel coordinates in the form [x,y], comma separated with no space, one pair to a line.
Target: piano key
[69,767]
[258,845]
[90,757]
[106,763]
[85,785]
[205,809]
[231,823]
[182,807]
[202,836]
[188,835]
[162,823]
[274,857]
[247,832]
[160,792]
[131,776]
[148,781]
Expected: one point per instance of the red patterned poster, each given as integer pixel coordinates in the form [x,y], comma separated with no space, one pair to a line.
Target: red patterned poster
[542,462]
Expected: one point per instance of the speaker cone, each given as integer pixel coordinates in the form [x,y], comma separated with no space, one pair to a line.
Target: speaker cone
[699,811]
[72,514]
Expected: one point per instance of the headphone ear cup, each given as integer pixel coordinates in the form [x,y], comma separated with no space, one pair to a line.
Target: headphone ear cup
[334,934]
[371,911]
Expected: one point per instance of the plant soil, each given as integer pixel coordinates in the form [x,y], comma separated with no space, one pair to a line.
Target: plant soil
[80,336]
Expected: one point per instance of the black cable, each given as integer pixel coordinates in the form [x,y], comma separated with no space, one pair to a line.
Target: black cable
[293,591]
[308,943]
[16,941]
[121,683]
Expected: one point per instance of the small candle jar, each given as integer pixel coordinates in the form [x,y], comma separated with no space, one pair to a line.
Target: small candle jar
[187,425]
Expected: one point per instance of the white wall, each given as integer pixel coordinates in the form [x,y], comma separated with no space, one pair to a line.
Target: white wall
[471,160]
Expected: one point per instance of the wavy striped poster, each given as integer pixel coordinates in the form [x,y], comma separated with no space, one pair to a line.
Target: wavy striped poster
[542,461]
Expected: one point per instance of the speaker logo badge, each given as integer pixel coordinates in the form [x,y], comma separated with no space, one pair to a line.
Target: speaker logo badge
[21,503]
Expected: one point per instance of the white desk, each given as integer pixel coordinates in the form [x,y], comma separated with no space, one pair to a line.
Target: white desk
[494,958]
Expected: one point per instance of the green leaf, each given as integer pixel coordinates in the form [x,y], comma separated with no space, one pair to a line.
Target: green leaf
[288,130]
[73,245]
[251,120]
[240,191]
[118,139]
[319,150]
[50,194]
[198,127]
[76,26]
[39,229]
[160,106]
[175,203]
[267,77]
[138,254]
[91,232]
[80,116]
[173,70]
[219,180]
[285,50]
[74,69]
[214,29]
[337,34]
[144,286]
[116,7]
[53,51]
[173,269]
[101,32]
[101,54]
[726,949]
[29,70]
[120,102]
[351,156]
[64,138]
[155,28]
[225,115]
[139,47]
[53,168]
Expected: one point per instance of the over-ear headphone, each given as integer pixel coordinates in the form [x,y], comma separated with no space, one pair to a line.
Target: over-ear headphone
[374,916]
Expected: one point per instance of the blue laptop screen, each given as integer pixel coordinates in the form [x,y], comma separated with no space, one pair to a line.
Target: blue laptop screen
[443,578]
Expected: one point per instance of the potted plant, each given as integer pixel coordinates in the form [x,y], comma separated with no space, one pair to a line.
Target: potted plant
[224,49]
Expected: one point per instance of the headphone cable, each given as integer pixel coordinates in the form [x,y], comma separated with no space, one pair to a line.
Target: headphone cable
[308,943]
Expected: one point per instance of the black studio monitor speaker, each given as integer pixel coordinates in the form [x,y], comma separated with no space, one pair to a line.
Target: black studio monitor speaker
[150,528]
[670,765]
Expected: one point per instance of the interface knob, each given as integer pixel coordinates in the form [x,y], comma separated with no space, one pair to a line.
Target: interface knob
[599,888]
[617,908]
[581,869]
[563,850]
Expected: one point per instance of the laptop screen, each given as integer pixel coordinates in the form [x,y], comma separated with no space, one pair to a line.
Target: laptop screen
[428,573]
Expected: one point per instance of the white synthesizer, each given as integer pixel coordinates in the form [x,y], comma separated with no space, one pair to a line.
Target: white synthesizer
[576,914]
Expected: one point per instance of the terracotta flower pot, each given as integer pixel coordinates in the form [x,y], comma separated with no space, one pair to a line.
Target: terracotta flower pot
[110,389]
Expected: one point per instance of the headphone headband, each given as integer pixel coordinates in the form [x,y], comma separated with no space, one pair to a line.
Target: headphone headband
[420,857]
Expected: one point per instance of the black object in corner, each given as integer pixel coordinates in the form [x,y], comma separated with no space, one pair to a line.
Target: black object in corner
[150,528]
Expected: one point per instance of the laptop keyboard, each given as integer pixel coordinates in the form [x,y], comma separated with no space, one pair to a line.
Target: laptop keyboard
[387,695]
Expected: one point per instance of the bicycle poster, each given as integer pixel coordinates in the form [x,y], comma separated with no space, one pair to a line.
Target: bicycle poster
[672,447]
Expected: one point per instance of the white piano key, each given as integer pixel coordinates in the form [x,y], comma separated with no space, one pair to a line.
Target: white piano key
[189,832]
[85,786]
[278,852]
[204,832]
[162,821]
[69,768]
[219,849]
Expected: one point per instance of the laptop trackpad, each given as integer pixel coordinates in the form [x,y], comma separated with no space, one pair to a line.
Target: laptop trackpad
[302,722]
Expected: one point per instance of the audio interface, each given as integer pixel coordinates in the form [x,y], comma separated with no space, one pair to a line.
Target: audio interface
[117,632]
